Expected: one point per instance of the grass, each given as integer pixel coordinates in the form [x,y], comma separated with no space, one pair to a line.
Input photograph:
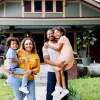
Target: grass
[80,89]
[5,91]
[87,88]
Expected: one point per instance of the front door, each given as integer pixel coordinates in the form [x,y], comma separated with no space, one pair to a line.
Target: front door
[39,40]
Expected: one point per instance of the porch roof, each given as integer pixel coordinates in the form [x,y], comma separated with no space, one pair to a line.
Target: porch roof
[95,3]
[50,21]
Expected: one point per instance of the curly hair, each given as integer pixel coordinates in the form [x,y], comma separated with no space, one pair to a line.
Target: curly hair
[9,39]
[23,44]
[61,29]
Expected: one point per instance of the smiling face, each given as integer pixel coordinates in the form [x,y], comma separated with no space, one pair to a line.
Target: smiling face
[14,45]
[50,35]
[28,45]
[57,34]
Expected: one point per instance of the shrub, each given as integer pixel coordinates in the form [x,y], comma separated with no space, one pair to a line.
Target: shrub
[3,76]
[94,74]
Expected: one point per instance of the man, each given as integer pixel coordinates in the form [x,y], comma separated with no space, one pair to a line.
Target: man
[50,57]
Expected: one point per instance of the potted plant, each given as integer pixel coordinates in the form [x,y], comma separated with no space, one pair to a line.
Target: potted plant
[84,41]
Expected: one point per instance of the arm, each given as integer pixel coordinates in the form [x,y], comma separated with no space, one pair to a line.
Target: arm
[13,60]
[37,68]
[58,48]
[48,61]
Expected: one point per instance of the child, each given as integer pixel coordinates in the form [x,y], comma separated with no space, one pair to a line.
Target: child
[66,57]
[12,62]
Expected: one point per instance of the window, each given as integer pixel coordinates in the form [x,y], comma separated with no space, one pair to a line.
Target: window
[38,6]
[49,6]
[59,6]
[27,5]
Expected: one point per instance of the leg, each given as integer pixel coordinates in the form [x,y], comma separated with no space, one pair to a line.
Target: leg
[58,87]
[21,71]
[66,81]
[31,88]
[64,92]
[18,71]
[58,77]
[51,82]
[63,80]
[15,84]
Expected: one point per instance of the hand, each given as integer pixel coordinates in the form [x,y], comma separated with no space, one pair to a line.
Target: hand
[21,60]
[9,71]
[60,65]
[46,45]
[28,72]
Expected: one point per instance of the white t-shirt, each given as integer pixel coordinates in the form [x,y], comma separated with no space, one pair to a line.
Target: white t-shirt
[52,54]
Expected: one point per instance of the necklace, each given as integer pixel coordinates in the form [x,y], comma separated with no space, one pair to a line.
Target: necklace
[27,56]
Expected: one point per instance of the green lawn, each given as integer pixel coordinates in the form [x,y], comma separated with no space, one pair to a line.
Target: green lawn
[87,88]
[5,91]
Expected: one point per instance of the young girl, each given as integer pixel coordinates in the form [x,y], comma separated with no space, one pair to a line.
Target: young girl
[66,57]
[12,63]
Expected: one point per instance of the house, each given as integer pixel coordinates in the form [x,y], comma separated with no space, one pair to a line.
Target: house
[32,18]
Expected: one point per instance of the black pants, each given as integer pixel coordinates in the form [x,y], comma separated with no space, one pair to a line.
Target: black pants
[51,82]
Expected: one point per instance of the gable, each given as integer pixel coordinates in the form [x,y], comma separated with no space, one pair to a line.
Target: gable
[89,12]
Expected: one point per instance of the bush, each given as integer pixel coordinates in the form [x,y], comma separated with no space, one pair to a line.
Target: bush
[94,74]
[86,73]
[3,76]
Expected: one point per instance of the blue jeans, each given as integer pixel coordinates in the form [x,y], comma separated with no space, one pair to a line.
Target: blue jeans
[51,82]
[20,71]
[15,83]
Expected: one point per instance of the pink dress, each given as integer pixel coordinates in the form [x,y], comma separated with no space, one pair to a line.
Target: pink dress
[66,53]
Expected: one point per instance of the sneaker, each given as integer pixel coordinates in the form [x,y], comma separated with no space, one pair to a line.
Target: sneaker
[6,84]
[63,93]
[56,97]
[58,89]
[24,89]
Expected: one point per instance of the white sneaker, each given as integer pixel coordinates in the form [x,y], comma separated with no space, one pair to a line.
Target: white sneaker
[24,89]
[6,84]
[58,89]
[63,93]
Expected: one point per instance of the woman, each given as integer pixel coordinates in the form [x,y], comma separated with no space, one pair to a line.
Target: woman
[31,63]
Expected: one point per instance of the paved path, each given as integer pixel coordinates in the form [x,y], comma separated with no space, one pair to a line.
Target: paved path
[40,93]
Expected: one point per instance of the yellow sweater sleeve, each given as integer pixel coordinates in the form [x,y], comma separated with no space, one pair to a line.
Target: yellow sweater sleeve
[37,68]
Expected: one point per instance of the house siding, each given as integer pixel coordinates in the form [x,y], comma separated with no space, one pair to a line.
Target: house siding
[2,10]
[87,12]
[72,10]
[13,9]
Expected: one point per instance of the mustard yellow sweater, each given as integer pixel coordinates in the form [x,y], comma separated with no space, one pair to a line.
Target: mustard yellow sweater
[32,62]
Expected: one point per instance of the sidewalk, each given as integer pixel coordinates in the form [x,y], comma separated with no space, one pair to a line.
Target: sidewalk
[40,93]
[40,81]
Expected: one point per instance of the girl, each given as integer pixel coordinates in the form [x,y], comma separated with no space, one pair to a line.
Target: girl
[66,57]
[12,63]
